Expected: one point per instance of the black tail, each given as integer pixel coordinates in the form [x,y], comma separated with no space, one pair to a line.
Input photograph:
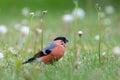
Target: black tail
[37,55]
[29,60]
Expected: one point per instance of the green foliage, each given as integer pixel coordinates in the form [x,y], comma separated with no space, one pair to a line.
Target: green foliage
[89,69]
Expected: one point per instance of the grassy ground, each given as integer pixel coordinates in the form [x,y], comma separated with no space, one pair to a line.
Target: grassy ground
[89,69]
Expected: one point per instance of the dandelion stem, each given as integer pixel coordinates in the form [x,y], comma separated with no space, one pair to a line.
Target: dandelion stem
[31,19]
[41,24]
[41,21]
[99,45]
[75,27]
[30,31]
[99,30]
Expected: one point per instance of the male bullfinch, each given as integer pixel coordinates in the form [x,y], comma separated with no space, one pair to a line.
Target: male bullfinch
[53,52]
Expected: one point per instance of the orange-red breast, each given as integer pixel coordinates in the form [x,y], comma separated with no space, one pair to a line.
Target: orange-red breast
[53,52]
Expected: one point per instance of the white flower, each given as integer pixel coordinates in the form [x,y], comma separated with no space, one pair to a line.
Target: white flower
[80,13]
[80,33]
[3,29]
[116,50]
[11,49]
[25,11]
[24,30]
[107,21]
[103,56]
[109,9]
[78,62]
[67,18]
[32,14]
[39,30]
[1,55]
[97,37]
[104,53]
[44,12]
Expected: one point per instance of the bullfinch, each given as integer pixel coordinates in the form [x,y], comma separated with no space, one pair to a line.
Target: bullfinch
[51,53]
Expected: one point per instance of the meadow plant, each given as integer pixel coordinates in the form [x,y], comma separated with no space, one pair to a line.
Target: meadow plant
[31,20]
[77,61]
[42,27]
[80,33]
[76,33]
[99,30]
[75,28]
[30,29]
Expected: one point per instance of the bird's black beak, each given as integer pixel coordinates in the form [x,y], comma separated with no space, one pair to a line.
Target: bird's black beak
[66,41]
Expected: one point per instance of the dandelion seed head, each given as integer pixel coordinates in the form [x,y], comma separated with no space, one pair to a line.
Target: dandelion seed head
[25,11]
[104,53]
[109,9]
[97,37]
[116,51]
[67,18]
[98,7]
[3,29]
[11,49]
[80,13]
[78,62]
[80,33]
[44,12]
[39,30]
[103,56]
[32,14]
[1,55]
[24,30]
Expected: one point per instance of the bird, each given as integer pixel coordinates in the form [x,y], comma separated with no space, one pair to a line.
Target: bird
[51,53]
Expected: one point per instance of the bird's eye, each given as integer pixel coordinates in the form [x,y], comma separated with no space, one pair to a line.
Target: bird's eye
[62,42]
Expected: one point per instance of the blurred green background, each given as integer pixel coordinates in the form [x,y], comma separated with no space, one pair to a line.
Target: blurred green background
[14,7]
[11,12]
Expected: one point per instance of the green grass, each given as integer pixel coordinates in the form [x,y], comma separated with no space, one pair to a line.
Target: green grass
[90,69]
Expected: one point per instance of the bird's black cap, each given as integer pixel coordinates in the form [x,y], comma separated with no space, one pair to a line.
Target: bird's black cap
[61,38]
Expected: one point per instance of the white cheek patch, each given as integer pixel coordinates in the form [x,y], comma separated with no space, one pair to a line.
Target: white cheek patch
[38,60]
